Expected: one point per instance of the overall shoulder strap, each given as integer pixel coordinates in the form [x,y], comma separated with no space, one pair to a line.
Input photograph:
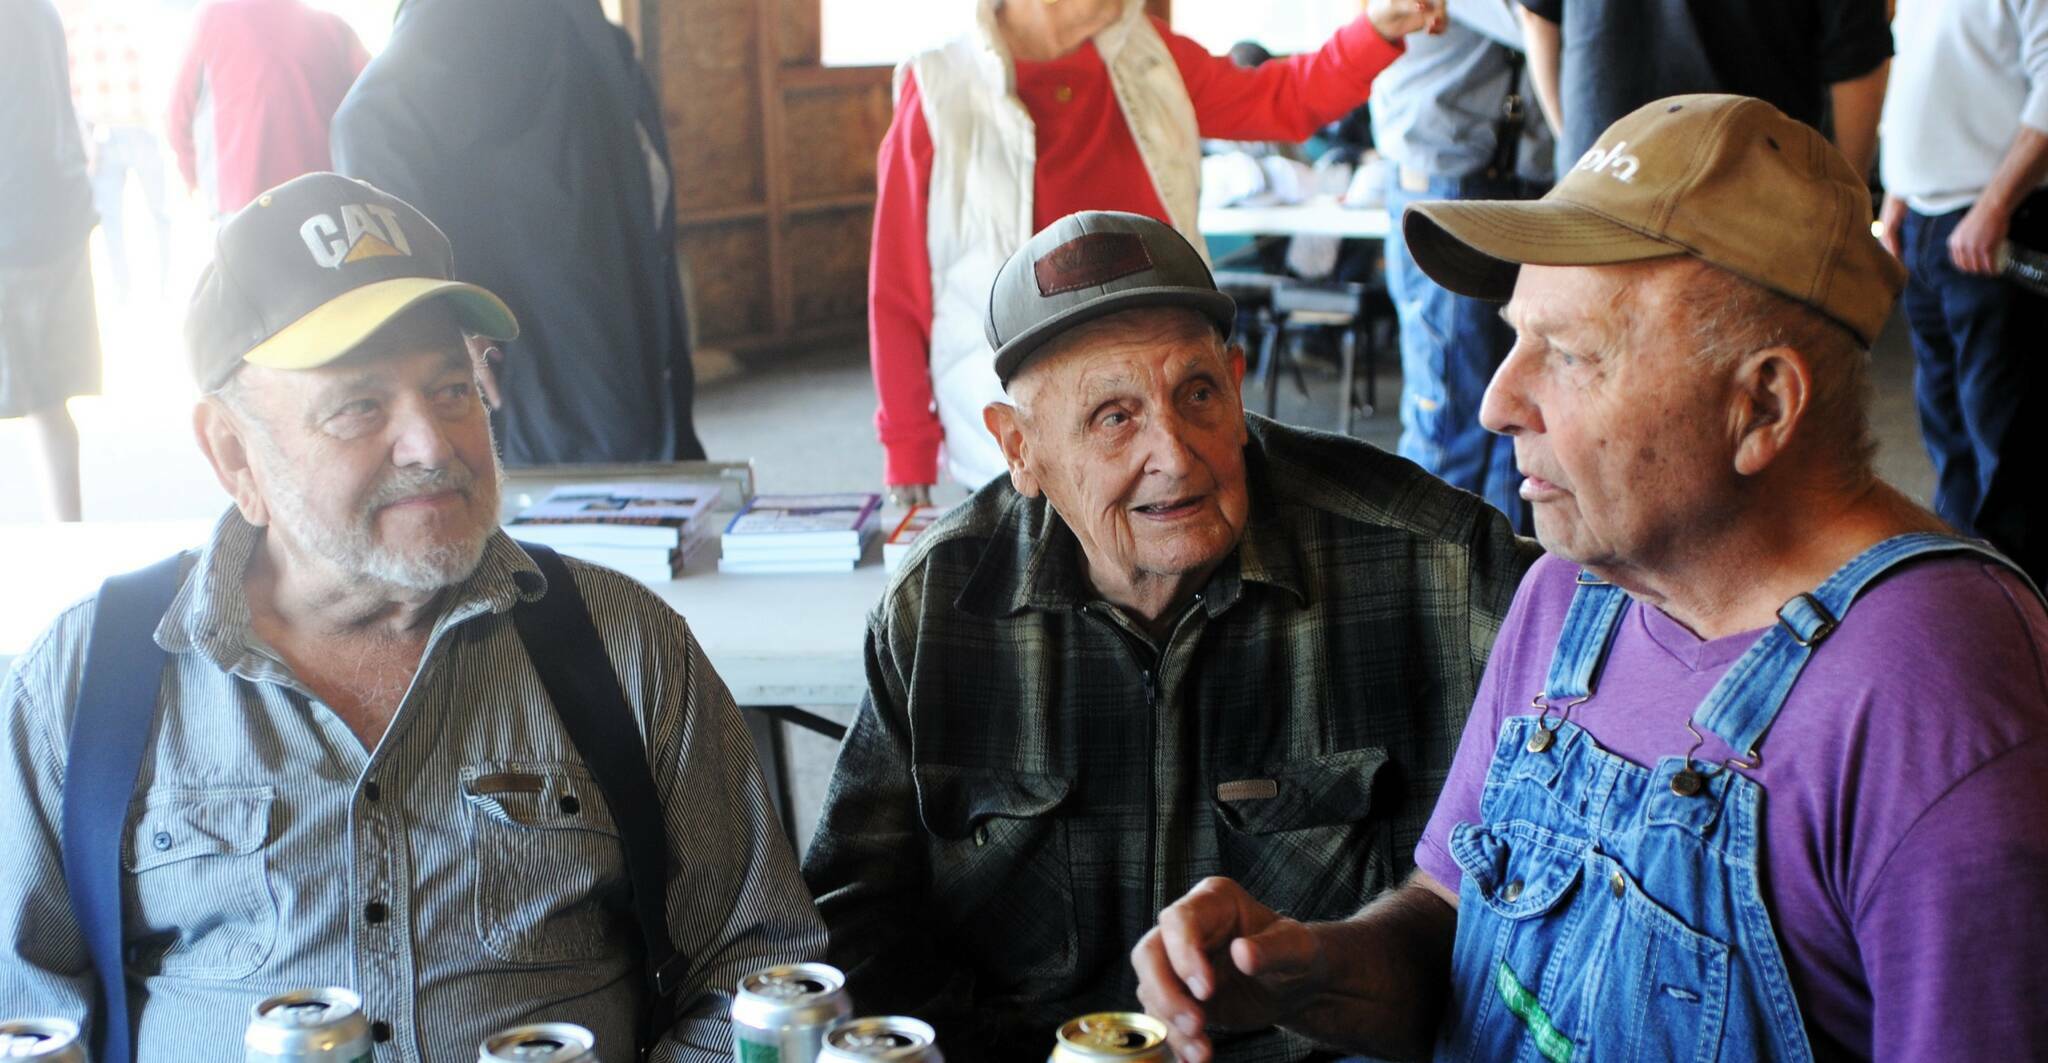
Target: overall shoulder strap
[1589,625]
[565,648]
[110,732]
[1742,706]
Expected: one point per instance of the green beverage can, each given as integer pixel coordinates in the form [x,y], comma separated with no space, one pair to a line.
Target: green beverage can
[780,1015]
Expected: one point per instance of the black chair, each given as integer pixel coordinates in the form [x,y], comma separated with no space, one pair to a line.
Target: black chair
[1355,310]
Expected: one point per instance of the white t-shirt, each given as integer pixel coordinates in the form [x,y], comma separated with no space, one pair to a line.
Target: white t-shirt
[1967,75]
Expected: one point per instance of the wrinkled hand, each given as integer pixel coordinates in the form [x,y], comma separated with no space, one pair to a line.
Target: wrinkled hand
[485,355]
[1889,218]
[1219,958]
[1974,244]
[1396,19]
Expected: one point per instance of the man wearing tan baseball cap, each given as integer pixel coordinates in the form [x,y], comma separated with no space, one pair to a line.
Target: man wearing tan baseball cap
[1752,773]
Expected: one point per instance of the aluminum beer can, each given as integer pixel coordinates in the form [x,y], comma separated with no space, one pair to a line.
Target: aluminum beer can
[886,1037]
[309,1026]
[781,1014]
[545,1042]
[48,1040]
[1112,1035]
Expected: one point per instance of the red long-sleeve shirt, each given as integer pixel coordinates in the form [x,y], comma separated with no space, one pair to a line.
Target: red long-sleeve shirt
[1087,160]
[265,76]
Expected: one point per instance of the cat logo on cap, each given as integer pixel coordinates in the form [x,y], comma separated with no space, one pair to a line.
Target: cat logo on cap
[365,231]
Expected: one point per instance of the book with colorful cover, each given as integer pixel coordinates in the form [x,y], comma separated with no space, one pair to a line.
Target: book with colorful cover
[795,521]
[616,514]
[897,546]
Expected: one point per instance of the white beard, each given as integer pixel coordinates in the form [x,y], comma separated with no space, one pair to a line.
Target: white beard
[353,548]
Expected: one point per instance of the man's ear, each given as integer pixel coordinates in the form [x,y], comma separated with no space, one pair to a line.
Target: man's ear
[1771,396]
[224,441]
[1006,424]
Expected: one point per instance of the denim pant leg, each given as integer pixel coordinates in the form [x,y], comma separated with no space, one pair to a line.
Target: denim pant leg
[1976,340]
[1450,347]
[1934,374]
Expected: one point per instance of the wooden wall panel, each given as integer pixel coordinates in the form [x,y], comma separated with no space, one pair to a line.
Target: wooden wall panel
[729,281]
[711,102]
[798,37]
[829,280]
[832,134]
[774,158]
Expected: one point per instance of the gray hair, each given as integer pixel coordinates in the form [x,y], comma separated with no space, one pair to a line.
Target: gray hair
[1733,317]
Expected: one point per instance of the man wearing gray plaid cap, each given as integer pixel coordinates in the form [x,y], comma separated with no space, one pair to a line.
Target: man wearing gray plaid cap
[1177,641]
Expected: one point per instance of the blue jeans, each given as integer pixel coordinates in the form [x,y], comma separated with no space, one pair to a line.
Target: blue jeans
[125,150]
[1450,346]
[1977,348]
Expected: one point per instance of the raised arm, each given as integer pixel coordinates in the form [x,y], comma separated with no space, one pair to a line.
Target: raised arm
[1374,983]
[1289,99]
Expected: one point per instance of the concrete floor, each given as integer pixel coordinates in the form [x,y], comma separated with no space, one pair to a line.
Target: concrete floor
[806,422]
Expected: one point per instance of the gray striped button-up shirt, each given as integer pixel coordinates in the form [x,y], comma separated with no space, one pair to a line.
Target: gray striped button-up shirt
[465,875]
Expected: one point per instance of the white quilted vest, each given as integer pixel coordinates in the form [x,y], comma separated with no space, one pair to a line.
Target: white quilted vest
[984,154]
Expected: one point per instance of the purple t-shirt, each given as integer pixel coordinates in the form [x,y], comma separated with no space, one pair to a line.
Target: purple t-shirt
[1905,810]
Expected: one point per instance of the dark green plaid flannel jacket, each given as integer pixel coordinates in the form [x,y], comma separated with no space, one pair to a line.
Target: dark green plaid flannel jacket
[1032,779]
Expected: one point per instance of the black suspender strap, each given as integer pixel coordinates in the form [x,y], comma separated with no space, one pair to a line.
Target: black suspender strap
[110,731]
[578,674]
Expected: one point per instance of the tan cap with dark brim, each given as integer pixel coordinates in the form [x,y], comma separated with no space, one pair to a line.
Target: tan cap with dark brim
[1729,180]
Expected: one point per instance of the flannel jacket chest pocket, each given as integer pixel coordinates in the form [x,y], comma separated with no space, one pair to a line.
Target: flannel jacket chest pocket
[550,883]
[1302,834]
[199,902]
[1002,876]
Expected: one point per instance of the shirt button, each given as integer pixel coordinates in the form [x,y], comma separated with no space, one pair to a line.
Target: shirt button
[570,806]
[1511,891]
[371,791]
[380,1031]
[162,840]
[1618,884]
[375,912]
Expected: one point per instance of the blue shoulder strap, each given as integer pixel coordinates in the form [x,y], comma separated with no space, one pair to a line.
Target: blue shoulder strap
[1589,625]
[1742,706]
[110,730]
[566,650]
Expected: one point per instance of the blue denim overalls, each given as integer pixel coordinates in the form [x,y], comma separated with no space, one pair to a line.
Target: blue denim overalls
[1613,912]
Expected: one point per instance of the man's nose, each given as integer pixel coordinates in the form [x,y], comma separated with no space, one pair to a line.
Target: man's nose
[420,438]
[1507,409]
[1167,451]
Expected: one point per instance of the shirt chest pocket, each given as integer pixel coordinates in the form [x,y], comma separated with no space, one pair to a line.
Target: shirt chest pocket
[550,883]
[1002,875]
[1304,835]
[199,903]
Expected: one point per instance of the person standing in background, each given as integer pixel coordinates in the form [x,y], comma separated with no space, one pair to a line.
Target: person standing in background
[110,87]
[49,334]
[1043,109]
[1965,160]
[1453,118]
[254,96]
[557,186]
[1823,62]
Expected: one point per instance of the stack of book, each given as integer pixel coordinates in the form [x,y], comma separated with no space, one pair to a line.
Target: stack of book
[645,530]
[897,546]
[800,533]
